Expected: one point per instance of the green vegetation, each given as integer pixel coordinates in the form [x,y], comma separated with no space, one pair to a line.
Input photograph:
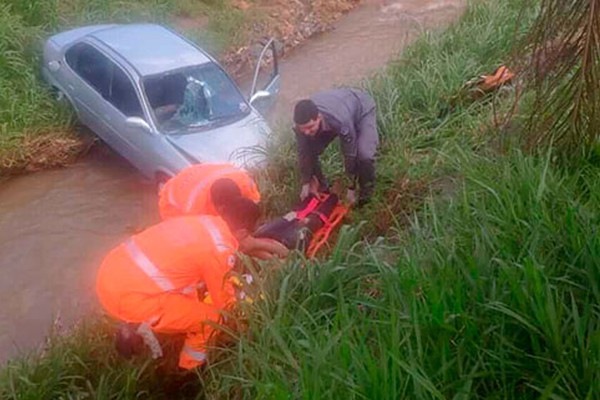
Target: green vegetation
[491,295]
[486,284]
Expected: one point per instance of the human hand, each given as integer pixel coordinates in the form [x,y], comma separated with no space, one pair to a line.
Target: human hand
[305,191]
[261,247]
[351,196]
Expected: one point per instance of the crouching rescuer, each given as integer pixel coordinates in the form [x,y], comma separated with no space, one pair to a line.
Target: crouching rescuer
[157,280]
[345,113]
[204,188]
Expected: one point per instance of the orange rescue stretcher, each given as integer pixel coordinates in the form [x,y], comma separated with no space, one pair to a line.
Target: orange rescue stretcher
[321,236]
[308,227]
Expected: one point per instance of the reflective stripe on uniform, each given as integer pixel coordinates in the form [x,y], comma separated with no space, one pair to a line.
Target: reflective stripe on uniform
[150,339]
[193,289]
[148,266]
[198,356]
[215,234]
[171,196]
[202,184]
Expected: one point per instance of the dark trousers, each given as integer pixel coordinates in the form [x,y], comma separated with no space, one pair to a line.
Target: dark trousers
[368,141]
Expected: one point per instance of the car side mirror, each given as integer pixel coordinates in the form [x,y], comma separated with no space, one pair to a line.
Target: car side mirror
[260,95]
[137,122]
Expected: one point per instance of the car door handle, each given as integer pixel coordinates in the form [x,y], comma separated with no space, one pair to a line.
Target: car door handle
[70,87]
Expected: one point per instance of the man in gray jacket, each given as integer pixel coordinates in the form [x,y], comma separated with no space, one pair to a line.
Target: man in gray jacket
[345,113]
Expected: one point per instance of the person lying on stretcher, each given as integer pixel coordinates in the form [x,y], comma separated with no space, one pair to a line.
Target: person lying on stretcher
[295,230]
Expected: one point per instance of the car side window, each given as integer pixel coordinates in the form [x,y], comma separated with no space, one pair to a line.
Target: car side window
[110,81]
[91,65]
[123,95]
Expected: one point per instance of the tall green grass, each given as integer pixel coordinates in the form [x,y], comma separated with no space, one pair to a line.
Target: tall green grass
[24,104]
[493,294]
[83,365]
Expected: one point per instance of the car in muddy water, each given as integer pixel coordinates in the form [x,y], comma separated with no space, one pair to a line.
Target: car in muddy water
[159,100]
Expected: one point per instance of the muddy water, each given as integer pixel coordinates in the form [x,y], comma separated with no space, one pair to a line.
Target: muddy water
[362,43]
[55,226]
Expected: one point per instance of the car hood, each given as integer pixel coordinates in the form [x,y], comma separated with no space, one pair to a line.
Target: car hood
[241,143]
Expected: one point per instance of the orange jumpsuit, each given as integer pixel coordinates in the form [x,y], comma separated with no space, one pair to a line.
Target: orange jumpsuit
[188,192]
[155,277]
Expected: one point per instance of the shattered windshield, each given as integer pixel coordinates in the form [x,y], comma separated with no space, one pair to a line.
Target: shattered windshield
[193,98]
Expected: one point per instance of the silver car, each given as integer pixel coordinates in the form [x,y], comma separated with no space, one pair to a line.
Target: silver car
[157,99]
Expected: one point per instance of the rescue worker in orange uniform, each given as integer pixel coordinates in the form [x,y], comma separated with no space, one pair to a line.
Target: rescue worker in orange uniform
[155,278]
[189,192]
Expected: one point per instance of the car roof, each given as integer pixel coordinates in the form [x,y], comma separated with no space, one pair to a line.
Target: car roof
[149,48]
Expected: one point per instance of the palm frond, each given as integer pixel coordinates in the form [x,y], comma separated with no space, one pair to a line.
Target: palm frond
[565,43]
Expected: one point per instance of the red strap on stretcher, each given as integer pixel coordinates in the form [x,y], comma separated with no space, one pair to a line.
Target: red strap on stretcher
[322,235]
[310,207]
[323,217]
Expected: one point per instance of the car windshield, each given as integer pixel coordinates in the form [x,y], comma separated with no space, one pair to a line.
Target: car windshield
[193,98]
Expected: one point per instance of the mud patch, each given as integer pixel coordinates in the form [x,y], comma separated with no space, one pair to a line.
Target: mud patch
[188,23]
[45,150]
[290,22]
[403,198]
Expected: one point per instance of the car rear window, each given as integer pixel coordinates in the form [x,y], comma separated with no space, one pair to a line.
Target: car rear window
[107,78]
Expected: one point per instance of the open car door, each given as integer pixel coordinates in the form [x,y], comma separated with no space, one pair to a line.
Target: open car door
[267,80]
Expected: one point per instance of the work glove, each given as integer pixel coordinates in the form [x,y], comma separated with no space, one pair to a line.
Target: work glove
[305,191]
[351,196]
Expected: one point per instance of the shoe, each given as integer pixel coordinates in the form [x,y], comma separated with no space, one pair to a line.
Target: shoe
[127,341]
[362,202]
